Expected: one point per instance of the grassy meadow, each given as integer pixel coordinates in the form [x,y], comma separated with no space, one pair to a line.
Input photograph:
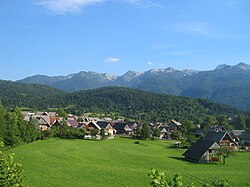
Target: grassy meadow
[118,162]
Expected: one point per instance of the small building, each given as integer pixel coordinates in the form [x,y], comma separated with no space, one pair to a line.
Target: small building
[237,133]
[122,128]
[203,151]
[175,126]
[92,125]
[42,124]
[132,125]
[164,133]
[72,122]
[108,129]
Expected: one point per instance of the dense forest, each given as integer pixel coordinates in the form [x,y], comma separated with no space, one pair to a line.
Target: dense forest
[143,105]
[128,102]
[29,95]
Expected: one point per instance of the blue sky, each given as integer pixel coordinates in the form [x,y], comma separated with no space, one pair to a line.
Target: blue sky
[59,37]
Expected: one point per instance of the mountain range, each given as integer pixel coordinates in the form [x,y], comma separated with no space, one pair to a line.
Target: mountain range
[225,84]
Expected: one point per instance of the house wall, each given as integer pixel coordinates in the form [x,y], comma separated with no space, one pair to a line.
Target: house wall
[109,131]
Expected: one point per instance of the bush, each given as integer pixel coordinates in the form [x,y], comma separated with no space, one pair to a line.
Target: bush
[10,172]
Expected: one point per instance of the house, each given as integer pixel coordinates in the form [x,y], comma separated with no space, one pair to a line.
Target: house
[175,126]
[202,151]
[122,128]
[72,122]
[164,133]
[43,120]
[108,129]
[237,133]
[92,125]
[132,125]
[56,122]
[42,124]
[245,138]
[222,138]
[52,114]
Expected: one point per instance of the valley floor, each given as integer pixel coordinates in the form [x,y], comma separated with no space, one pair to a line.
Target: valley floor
[119,162]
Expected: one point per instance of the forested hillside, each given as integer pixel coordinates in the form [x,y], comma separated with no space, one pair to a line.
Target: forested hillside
[128,102]
[143,105]
[29,95]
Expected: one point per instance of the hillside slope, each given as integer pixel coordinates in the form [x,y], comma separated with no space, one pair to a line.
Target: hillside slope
[29,95]
[226,84]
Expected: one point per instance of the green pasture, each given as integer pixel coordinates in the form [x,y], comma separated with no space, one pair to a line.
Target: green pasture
[118,162]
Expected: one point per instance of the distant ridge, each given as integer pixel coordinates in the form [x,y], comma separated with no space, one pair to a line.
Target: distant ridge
[225,84]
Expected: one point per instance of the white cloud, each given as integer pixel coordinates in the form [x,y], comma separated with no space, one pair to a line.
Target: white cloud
[66,6]
[144,3]
[150,63]
[111,59]
[76,6]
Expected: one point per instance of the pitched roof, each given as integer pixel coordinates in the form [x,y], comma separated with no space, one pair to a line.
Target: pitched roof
[94,124]
[72,122]
[163,129]
[103,124]
[130,123]
[217,136]
[196,151]
[122,126]
[245,135]
[176,122]
[237,133]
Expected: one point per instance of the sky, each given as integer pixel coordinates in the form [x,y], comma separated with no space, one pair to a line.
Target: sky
[60,37]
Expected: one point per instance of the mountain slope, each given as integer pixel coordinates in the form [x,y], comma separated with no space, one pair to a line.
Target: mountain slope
[226,84]
[29,95]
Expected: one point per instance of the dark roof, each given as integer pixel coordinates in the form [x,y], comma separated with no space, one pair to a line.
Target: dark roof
[245,135]
[198,149]
[215,136]
[122,126]
[103,124]
[130,123]
[163,128]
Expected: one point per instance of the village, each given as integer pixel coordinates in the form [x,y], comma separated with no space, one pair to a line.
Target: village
[202,151]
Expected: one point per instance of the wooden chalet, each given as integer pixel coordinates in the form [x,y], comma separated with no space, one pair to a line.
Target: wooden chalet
[132,125]
[175,126]
[203,151]
[164,133]
[92,125]
[72,122]
[108,129]
[122,128]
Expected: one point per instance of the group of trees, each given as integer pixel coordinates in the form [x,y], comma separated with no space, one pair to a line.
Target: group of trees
[14,130]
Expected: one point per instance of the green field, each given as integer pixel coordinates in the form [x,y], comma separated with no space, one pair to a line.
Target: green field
[118,162]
